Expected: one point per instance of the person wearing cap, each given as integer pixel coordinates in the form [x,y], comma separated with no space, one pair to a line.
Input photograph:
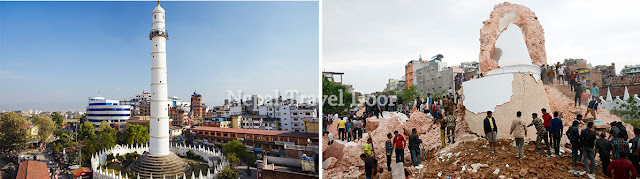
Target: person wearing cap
[491,131]
[541,132]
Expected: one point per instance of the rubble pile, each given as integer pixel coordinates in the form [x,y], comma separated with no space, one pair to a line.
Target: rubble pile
[471,159]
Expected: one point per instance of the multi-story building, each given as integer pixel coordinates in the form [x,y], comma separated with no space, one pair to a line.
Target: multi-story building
[141,104]
[270,141]
[101,109]
[232,108]
[291,116]
[410,70]
[631,70]
[590,76]
[607,72]
[258,122]
[394,84]
[312,125]
[335,77]
[196,105]
[617,86]
[217,122]
[179,115]
[434,77]
[575,64]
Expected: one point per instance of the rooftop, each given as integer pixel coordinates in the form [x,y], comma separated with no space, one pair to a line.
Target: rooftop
[32,169]
[260,132]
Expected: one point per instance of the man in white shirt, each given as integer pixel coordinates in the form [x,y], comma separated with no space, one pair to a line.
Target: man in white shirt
[561,75]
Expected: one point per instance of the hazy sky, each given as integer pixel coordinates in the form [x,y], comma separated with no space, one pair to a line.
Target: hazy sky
[372,40]
[54,55]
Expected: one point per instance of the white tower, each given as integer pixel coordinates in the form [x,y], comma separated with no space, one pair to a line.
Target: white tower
[159,124]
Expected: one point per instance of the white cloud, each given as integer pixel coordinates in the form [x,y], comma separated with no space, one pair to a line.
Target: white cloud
[370,39]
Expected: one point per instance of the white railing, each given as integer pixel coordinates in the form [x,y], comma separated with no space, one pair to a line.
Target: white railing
[616,103]
[99,159]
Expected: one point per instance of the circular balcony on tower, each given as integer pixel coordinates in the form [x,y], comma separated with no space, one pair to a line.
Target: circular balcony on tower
[158,33]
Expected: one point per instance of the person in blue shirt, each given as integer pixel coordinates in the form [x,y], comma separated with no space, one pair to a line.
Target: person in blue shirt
[555,130]
[594,91]
[592,108]
[349,131]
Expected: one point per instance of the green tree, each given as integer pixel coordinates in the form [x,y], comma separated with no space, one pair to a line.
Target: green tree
[57,118]
[136,134]
[232,159]
[107,136]
[89,148]
[408,94]
[13,136]
[335,98]
[237,148]
[229,173]
[86,131]
[45,127]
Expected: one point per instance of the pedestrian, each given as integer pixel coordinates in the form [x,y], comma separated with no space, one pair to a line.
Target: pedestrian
[551,75]
[450,92]
[418,104]
[594,90]
[613,132]
[619,147]
[368,148]
[587,140]
[443,127]
[572,82]
[448,104]
[592,108]
[603,147]
[414,147]
[561,75]
[429,100]
[546,117]
[388,148]
[399,143]
[358,128]
[634,157]
[451,128]
[519,131]
[342,125]
[621,168]
[541,133]
[349,131]
[543,74]
[421,107]
[577,98]
[555,130]
[330,135]
[623,130]
[491,131]
[399,101]
[370,166]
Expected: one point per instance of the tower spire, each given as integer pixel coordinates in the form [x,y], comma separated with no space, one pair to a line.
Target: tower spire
[158,3]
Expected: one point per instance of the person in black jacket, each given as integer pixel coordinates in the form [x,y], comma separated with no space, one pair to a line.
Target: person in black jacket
[603,146]
[578,95]
[574,137]
[414,147]
[491,131]
[588,139]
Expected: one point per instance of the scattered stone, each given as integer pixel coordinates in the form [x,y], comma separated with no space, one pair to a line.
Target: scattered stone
[523,172]
[496,172]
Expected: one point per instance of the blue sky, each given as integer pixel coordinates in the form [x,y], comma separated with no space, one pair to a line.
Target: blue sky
[54,55]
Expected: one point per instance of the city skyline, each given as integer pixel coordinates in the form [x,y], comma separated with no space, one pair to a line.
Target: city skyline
[388,34]
[84,49]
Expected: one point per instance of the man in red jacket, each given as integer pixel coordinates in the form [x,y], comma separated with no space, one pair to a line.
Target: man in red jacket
[546,117]
[621,168]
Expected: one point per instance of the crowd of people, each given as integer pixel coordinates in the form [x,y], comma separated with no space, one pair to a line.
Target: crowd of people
[584,143]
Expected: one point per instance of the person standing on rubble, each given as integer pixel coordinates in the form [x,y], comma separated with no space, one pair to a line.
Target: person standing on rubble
[448,104]
[603,147]
[451,128]
[623,131]
[348,129]
[342,124]
[443,127]
[330,135]
[418,104]
[491,131]
[551,74]
[572,81]
[546,118]
[414,147]
[370,166]
[368,147]
[388,148]
[543,74]
[613,132]
[634,157]
[588,139]
[592,108]
[622,167]
[577,98]
[429,100]
[555,130]
[398,144]
[357,129]
[541,132]
[519,131]
[619,147]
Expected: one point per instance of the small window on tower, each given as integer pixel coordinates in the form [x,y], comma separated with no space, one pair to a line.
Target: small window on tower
[154,16]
